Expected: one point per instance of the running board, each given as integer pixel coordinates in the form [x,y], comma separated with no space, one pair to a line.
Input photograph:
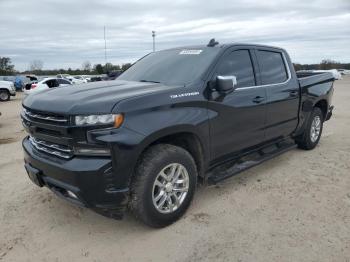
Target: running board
[236,166]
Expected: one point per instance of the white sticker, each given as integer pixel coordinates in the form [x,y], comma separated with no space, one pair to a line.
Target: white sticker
[184,94]
[190,52]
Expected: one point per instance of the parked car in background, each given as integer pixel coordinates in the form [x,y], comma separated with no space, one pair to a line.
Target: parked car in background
[334,72]
[7,89]
[87,77]
[112,75]
[76,80]
[32,80]
[96,78]
[81,78]
[344,71]
[63,75]
[45,84]
[8,78]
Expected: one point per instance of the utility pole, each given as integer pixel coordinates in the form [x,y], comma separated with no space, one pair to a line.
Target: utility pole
[104,36]
[154,40]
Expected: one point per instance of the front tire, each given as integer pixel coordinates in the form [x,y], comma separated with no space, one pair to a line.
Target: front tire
[4,95]
[313,130]
[163,186]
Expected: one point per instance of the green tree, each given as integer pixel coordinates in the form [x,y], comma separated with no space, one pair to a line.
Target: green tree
[6,68]
[327,64]
[99,68]
[126,66]
[297,66]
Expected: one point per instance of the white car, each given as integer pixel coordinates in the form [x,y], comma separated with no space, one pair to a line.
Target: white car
[47,83]
[344,71]
[335,73]
[63,76]
[86,77]
[7,89]
[76,80]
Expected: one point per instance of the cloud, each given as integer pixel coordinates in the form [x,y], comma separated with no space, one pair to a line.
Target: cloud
[64,33]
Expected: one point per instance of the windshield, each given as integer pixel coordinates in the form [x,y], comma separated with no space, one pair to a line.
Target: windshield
[171,67]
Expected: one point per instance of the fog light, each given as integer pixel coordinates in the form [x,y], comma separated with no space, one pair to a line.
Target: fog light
[92,151]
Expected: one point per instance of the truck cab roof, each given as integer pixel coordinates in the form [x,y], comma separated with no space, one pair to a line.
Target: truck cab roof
[225,46]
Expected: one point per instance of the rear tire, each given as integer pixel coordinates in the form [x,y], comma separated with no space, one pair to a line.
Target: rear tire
[163,186]
[4,95]
[313,130]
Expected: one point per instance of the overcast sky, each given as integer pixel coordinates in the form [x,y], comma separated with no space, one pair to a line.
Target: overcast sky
[65,33]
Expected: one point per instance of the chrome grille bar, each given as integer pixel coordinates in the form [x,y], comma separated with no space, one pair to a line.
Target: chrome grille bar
[50,148]
[44,117]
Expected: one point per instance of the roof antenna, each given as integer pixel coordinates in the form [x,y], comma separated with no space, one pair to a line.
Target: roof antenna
[212,42]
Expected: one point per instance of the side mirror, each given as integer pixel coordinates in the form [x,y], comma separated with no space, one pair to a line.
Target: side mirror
[226,84]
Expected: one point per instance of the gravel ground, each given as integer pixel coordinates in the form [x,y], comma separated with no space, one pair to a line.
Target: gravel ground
[295,207]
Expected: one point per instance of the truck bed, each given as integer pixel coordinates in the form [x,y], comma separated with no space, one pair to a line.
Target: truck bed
[312,78]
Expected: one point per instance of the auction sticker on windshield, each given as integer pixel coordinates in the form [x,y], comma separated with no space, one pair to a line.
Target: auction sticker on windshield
[190,52]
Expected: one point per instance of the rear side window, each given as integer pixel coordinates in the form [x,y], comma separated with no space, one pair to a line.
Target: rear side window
[238,64]
[272,67]
[52,83]
[64,82]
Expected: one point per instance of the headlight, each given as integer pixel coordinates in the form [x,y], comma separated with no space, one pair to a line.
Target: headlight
[116,119]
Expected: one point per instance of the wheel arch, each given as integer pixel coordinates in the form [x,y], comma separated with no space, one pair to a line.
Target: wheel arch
[323,105]
[184,138]
[4,89]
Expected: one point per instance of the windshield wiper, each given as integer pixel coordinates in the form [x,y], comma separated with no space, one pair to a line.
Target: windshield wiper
[149,81]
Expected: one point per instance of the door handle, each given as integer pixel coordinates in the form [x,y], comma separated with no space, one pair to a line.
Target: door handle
[293,93]
[258,99]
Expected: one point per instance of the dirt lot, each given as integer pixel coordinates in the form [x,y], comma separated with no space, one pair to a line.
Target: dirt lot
[293,208]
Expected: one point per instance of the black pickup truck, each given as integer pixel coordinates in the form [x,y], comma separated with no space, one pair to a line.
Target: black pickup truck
[175,118]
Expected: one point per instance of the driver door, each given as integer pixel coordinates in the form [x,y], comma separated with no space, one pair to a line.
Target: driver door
[238,118]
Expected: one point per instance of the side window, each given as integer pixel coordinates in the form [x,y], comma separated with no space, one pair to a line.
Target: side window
[272,67]
[55,83]
[49,83]
[238,64]
[62,81]
[52,83]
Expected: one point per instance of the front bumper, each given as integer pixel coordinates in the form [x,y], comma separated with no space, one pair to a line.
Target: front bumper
[12,92]
[84,181]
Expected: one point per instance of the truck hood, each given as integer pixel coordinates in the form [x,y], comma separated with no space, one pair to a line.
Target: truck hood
[90,98]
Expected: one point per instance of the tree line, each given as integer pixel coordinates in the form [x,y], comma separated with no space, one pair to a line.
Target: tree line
[36,67]
[325,64]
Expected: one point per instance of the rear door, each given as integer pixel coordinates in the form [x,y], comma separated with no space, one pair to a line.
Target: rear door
[282,93]
[237,119]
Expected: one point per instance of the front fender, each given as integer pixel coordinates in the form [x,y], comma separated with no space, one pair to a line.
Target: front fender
[156,124]
[142,129]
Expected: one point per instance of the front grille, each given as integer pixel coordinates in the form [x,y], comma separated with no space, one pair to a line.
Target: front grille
[50,118]
[51,148]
